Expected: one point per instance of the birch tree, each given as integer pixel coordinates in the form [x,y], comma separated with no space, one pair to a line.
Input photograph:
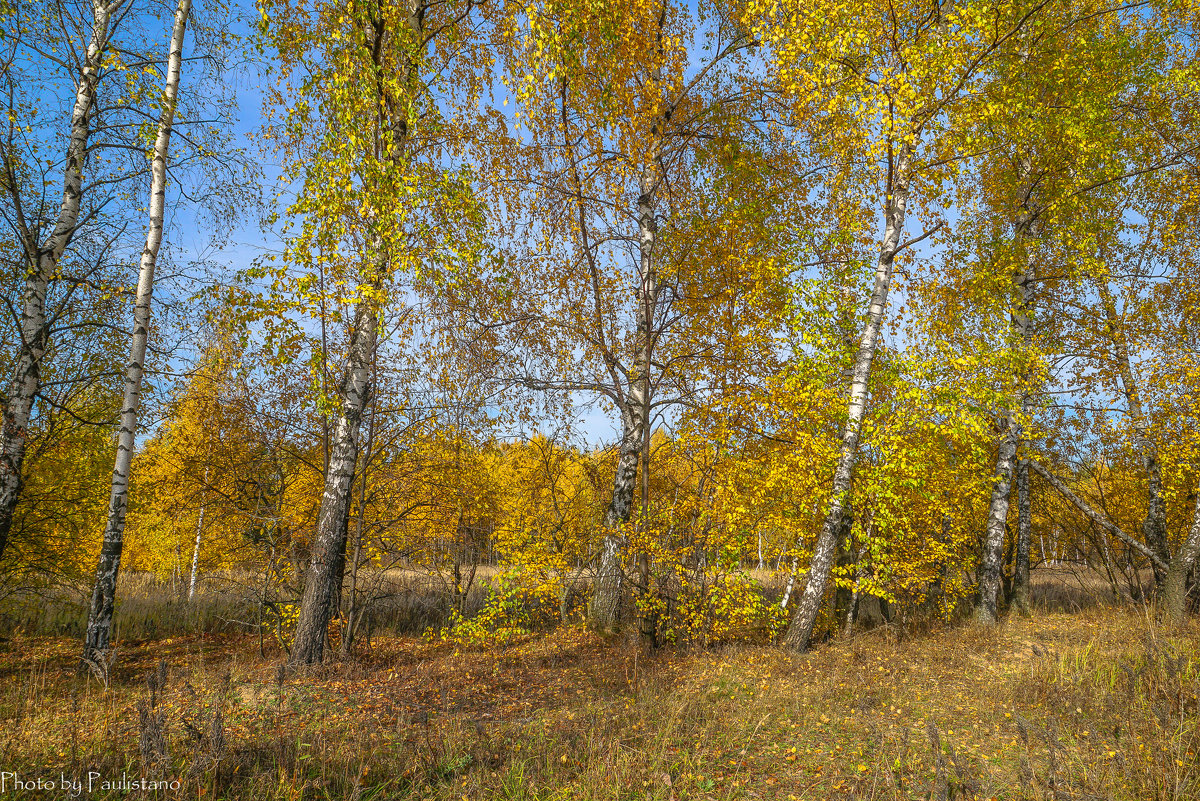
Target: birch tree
[368,118]
[82,85]
[884,88]
[1057,169]
[43,240]
[608,130]
[99,626]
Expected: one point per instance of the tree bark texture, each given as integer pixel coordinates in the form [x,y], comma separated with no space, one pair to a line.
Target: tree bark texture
[1020,323]
[199,533]
[993,543]
[41,263]
[100,614]
[353,612]
[323,580]
[800,629]
[1175,583]
[1020,597]
[605,607]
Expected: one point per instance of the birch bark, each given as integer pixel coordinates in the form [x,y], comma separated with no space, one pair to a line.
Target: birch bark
[800,630]
[1006,464]
[100,614]
[326,568]
[604,610]
[1175,581]
[993,543]
[605,607]
[1024,539]
[647,304]
[323,582]
[42,261]
[1021,326]
[199,533]
[353,613]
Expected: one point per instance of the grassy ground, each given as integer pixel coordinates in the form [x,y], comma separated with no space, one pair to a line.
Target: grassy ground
[1096,704]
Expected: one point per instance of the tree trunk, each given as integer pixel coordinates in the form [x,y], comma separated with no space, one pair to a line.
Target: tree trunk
[100,614]
[1096,517]
[1154,526]
[196,554]
[1175,583]
[605,604]
[41,264]
[323,581]
[200,522]
[1020,596]
[800,630]
[993,543]
[353,612]
[859,573]
[605,607]
[1020,322]
[648,301]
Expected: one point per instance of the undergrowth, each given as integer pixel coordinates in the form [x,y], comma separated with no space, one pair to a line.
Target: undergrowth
[1101,704]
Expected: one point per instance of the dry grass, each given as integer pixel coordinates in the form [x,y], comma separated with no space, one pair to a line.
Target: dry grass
[148,608]
[1097,704]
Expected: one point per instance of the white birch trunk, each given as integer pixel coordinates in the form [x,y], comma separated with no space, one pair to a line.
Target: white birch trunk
[353,613]
[1020,322]
[604,609]
[791,582]
[1024,539]
[647,303]
[103,594]
[327,562]
[41,263]
[859,572]
[993,543]
[323,579]
[800,630]
[199,532]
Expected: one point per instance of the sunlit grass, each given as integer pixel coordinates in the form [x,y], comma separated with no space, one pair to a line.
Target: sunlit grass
[1098,704]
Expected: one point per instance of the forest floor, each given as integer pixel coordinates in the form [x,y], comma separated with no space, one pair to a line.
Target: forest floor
[1097,704]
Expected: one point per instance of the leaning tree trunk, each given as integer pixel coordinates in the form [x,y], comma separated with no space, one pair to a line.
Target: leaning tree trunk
[1098,519]
[42,262]
[99,626]
[800,630]
[322,583]
[1175,583]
